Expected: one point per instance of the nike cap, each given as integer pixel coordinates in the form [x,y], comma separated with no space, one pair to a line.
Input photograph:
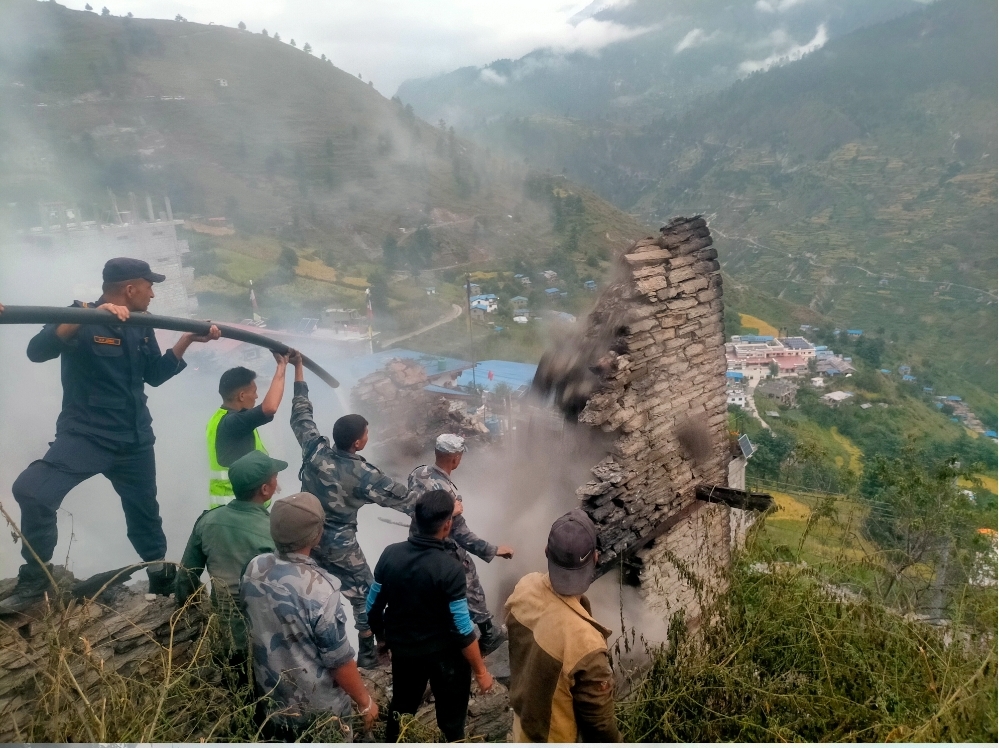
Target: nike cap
[572,553]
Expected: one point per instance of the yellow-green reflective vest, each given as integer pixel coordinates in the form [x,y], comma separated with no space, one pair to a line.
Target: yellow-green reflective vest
[219,487]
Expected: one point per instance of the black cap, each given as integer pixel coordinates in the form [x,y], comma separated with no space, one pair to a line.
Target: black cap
[572,553]
[127,268]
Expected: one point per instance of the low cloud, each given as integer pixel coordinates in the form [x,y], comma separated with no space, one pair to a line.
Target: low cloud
[792,54]
[695,38]
[777,6]
[488,75]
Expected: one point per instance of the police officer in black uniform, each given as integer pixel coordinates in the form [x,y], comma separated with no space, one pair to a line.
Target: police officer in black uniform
[104,427]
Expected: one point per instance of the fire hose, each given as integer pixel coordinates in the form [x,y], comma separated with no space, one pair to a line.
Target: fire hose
[44,315]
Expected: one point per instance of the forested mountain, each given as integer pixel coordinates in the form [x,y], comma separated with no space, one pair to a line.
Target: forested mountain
[859,181]
[300,157]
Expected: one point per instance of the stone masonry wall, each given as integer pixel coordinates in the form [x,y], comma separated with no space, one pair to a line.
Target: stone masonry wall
[660,356]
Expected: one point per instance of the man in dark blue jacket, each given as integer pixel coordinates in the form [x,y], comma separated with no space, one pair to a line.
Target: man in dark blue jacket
[417,605]
[104,427]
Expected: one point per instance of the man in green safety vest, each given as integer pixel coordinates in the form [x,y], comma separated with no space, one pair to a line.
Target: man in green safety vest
[232,430]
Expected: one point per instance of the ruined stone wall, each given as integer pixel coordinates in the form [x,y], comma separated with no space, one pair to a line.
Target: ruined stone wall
[660,357]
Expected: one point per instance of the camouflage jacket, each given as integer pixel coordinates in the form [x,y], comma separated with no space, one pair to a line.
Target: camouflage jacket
[432,478]
[343,482]
[298,634]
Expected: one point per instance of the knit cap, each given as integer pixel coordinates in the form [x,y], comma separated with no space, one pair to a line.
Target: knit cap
[296,521]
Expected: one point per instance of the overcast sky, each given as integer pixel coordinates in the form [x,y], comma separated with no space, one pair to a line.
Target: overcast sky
[388,41]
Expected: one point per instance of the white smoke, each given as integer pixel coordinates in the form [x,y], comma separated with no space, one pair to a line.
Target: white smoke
[791,54]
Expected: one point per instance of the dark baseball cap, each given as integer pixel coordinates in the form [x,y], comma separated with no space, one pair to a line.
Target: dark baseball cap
[253,470]
[127,268]
[572,553]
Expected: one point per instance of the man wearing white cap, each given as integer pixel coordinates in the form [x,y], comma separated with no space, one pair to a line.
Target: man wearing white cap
[462,542]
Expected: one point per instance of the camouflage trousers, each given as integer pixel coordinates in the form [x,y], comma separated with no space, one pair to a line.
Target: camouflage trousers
[340,555]
[473,587]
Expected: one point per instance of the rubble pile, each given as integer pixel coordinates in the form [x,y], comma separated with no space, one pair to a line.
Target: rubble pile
[121,631]
[407,416]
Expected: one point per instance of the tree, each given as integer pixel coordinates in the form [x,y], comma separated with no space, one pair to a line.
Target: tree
[918,514]
[263,32]
[378,282]
[307,48]
[322,57]
[292,42]
[390,252]
[277,36]
[774,370]
[89,7]
[129,15]
[179,17]
[105,12]
[241,26]
[421,248]
[288,259]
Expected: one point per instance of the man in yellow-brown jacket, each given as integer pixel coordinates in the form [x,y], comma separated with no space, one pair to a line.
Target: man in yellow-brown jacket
[561,684]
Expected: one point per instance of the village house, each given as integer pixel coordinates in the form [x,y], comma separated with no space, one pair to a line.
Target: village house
[780,390]
[834,399]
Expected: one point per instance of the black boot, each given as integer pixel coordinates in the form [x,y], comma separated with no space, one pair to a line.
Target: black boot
[490,637]
[367,654]
[32,584]
[161,580]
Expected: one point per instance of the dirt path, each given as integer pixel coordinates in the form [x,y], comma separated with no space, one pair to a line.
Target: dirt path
[456,311]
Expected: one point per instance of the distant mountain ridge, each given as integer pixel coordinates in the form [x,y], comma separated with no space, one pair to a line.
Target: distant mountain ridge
[687,48]
[859,181]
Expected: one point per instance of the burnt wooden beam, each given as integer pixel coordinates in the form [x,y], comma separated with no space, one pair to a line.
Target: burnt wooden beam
[733,497]
[646,540]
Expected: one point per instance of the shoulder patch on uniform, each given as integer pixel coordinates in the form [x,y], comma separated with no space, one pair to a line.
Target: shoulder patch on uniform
[107,341]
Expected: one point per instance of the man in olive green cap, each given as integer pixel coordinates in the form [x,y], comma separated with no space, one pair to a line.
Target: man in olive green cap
[224,540]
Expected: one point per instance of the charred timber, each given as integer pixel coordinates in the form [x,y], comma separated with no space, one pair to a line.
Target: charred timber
[733,497]
[44,315]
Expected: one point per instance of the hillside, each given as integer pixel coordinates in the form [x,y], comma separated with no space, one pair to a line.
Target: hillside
[858,182]
[295,154]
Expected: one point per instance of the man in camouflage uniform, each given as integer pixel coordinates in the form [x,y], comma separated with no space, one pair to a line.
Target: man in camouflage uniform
[462,542]
[302,659]
[344,482]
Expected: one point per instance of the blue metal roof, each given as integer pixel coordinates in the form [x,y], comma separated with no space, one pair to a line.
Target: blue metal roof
[991,434]
[954,398]
[854,332]
[437,390]
[908,378]
[552,290]
[511,373]
[350,370]
[519,298]
[734,374]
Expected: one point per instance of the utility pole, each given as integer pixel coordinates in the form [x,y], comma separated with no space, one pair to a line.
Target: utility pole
[471,345]
[371,315]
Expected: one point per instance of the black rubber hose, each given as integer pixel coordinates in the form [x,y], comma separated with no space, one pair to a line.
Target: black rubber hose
[44,315]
